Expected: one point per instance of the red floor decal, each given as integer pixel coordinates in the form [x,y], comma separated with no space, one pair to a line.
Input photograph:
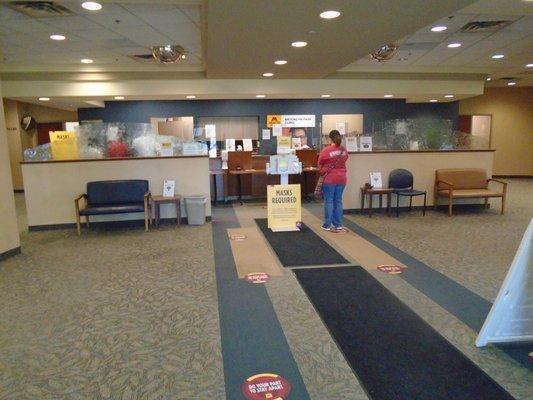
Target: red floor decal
[266,387]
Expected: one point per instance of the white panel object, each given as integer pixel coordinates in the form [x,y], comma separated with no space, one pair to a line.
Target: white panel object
[511,316]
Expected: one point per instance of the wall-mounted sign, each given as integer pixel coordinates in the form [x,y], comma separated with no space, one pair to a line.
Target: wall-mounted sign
[392,269]
[265,387]
[292,121]
[257,277]
[63,145]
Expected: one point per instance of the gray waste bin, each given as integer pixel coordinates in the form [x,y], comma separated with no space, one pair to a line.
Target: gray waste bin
[195,206]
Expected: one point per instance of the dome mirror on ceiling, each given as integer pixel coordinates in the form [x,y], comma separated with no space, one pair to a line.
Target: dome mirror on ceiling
[385,52]
[168,54]
[28,123]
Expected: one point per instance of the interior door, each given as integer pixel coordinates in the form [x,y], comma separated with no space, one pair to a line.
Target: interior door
[43,129]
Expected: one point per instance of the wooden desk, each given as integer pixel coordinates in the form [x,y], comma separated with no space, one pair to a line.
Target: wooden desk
[307,171]
[158,200]
[239,173]
[371,192]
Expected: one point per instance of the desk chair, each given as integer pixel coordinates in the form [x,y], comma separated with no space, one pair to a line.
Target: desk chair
[401,181]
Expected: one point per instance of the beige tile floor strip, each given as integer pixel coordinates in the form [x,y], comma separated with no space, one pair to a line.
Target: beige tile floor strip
[359,250]
[253,254]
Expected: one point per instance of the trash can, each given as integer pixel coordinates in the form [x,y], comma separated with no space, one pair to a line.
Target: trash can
[195,207]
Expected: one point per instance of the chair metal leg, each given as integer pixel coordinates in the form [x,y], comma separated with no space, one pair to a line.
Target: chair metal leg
[397,205]
[410,202]
[424,209]
[87,221]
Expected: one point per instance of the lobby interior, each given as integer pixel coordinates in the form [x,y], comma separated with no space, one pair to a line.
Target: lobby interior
[120,313]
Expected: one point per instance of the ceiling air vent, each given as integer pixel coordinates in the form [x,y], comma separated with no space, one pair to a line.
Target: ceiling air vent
[484,26]
[40,9]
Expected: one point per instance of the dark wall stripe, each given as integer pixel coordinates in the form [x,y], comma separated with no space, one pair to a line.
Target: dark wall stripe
[252,339]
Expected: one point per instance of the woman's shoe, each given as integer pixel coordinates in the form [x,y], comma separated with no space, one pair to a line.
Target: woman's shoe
[326,229]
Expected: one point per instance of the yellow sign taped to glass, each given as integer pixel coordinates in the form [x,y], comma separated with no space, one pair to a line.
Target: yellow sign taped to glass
[284,207]
[63,145]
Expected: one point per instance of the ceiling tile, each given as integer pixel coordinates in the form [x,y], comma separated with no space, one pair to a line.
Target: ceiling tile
[7,13]
[96,34]
[170,17]
[110,20]
[525,24]
[143,35]
[73,23]
[140,9]
[193,12]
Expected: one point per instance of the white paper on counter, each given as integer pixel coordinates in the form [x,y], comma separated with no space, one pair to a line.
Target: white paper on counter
[276,129]
[351,143]
[247,144]
[266,134]
[341,127]
[365,143]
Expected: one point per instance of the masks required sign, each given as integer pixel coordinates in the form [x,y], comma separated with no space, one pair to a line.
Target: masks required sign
[284,207]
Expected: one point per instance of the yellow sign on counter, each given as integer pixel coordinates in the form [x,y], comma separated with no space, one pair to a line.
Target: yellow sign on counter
[63,145]
[284,207]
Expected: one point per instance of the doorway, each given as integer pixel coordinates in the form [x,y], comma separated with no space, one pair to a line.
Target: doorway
[43,130]
[479,126]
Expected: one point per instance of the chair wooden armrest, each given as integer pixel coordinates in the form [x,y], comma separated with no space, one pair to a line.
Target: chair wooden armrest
[445,183]
[77,206]
[502,182]
[77,200]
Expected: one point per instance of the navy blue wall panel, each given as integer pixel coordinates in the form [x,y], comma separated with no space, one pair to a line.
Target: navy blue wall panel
[374,111]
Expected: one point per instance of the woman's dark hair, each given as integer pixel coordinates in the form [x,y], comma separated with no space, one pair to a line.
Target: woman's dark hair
[335,137]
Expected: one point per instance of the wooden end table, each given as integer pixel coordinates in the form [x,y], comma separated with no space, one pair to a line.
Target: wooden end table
[158,200]
[371,192]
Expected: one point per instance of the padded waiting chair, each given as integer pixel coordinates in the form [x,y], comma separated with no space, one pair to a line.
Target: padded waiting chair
[401,181]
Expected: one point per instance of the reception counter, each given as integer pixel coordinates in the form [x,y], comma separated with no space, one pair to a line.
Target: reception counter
[50,187]
[422,164]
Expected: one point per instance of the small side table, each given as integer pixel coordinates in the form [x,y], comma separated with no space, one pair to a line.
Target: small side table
[371,192]
[158,200]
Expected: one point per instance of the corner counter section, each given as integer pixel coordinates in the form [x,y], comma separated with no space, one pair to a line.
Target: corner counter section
[51,187]
[422,165]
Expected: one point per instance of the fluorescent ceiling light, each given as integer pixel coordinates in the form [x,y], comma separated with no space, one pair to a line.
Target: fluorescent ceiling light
[511,83]
[329,14]
[268,74]
[529,65]
[86,61]
[433,100]
[497,56]
[91,5]
[119,97]
[280,62]
[191,96]
[299,44]
[440,28]
[449,96]
[388,96]
[44,98]
[260,96]
[57,37]
[326,95]
[454,45]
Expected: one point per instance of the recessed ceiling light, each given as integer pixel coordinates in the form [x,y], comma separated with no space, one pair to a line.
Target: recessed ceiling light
[86,61]
[326,95]
[91,5]
[299,44]
[280,62]
[57,37]
[511,83]
[497,56]
[329,14]
[388,96]
[449,96]
[268,74]
[454,45]
[529,65]
[260,96]
[191,96]
[433,100]
[439,28]
[489,79]
[44,98]
[119,97]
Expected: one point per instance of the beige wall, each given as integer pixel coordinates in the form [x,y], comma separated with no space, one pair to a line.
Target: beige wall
[19,140]
[9,235]
[512,126]
[50,188]
[422,165]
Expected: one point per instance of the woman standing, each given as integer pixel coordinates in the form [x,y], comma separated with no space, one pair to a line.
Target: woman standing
[332,165]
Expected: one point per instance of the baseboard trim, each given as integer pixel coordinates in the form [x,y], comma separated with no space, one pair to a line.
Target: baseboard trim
[462,207]
[133,223]
[513,176]
[10,253]
[19,190]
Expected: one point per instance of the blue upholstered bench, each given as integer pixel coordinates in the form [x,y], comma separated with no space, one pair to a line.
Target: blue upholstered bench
[114,197]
